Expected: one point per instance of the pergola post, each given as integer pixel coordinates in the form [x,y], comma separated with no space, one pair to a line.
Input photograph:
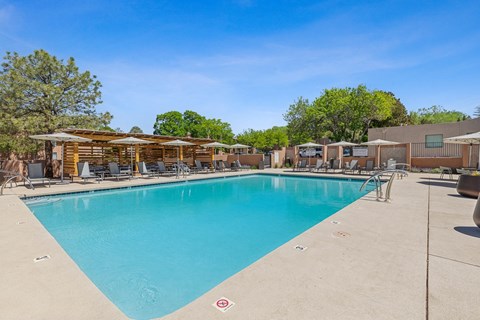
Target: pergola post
[76,158]
[137,157]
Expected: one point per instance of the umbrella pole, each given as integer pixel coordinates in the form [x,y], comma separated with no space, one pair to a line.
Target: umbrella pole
[61,167]
[131,159]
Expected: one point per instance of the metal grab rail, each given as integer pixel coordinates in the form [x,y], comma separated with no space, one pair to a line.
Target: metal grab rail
[14,175]
[378,185]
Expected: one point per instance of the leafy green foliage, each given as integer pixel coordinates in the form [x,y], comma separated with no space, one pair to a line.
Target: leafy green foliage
[41,94]
[174,123]
[135,129]
[265,140]
[436,114]
[341,114]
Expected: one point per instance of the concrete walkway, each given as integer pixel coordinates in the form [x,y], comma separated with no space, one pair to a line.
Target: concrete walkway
[414,258]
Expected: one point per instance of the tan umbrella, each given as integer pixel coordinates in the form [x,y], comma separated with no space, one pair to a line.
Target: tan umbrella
[342,144]
[214,145]
[130,141]
[309,145]
[238,146]
[379,143]
[178,143]
[60,137]
[472,138]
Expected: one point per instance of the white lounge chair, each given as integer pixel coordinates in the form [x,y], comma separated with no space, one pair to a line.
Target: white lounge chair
[36,174]
[84,172]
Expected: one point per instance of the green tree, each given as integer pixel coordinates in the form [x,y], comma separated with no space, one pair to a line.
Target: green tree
[476,114]
[41,94]
[299,118]
[341,114]
[170,124]
[265,140]
[135,129]
[398,117]
[436,114]
[175,123]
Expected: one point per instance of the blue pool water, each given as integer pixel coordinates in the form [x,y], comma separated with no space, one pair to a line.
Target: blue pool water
[151,250]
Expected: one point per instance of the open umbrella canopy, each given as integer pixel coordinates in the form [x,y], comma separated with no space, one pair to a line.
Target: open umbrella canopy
[215,145]
[309,145]
[130,141]
[342,144]
[238,146]
[60,136]
[178,143]
[472,138]
[379,142]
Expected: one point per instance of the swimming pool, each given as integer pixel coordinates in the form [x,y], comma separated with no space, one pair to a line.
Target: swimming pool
[152,250]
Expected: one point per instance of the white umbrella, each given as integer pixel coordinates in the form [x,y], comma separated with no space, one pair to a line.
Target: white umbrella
[60,137]
[472,138]
[238,146]
[130,141]
[309,145]
[214,145]
[178,143]
[378,143]
[342,144]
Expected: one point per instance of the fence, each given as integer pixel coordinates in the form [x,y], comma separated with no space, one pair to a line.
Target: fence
[437,149]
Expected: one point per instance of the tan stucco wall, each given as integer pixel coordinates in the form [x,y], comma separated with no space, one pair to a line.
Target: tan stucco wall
[417,133]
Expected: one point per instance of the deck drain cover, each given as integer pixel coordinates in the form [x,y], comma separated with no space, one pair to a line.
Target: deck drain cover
[42,258]
[341,234]
[335,222]
[21,222]
[300,247]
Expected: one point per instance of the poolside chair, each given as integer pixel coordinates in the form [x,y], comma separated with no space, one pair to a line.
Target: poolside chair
[199,168]
[302,165]
[318,165]
[446,170]
[144,172]
[182,168]
[368,167]
[334,166]
[216,165]
[351,167]
[36,174]
[115,171]
[84,172]
[162,169]
[239,165]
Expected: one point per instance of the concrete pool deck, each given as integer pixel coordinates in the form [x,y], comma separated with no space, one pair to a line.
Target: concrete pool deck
[414,258]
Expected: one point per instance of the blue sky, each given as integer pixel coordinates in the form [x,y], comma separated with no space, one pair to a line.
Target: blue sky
[246,61]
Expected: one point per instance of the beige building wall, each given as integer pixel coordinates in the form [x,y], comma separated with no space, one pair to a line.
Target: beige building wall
[417,133]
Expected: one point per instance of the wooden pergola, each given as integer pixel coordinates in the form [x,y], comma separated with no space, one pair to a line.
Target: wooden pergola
[100,152]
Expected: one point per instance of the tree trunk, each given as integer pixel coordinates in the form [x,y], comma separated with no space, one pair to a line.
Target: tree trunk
[48,159]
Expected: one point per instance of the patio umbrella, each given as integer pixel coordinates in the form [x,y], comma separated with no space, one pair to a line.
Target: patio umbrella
[379,143]
[342,144]
[214,145]
[472,138]
[61,137]
[178,143]
[238,146]
[307,146]
[130,141]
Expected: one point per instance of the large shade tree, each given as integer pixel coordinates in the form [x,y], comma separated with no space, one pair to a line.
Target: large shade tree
[174,123]
[40,93]
[339,113]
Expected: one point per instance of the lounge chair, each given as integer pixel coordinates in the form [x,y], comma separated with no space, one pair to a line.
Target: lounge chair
[446,170]
[162,169]
[368,167]
[84,172]
[239,165]
[199,168]
[115,171]
[36,174]
[319,165]
[217,166]
[302,165]
[351,167]
[144,172]
[335,165]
